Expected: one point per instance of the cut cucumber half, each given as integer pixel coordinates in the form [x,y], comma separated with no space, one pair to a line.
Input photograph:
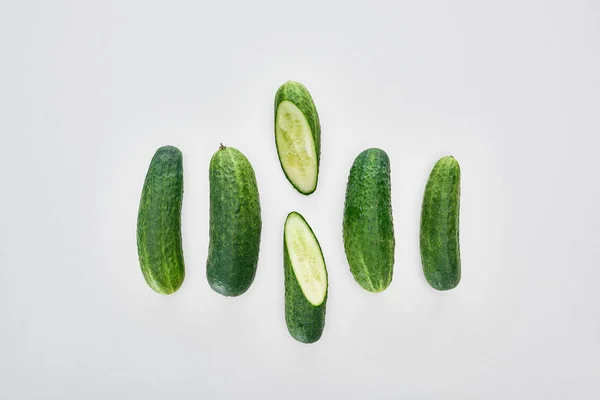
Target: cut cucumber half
[306,259]
[305,280]
[297,136]
[295,147]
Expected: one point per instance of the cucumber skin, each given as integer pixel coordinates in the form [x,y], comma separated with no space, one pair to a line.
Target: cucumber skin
[439,237]
[159,222]
[299,95]
[368,226]
[235,223]
[305,322]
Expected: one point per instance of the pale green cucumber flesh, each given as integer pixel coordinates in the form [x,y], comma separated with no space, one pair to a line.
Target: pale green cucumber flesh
[305,281]
[306,259]
[296,147]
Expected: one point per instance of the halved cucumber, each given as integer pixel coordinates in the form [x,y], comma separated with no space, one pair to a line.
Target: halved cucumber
[305,280]
[298,136]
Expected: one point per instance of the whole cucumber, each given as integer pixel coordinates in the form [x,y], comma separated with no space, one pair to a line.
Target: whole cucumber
[235,223]
[368,227]
[439,239]
[159,222]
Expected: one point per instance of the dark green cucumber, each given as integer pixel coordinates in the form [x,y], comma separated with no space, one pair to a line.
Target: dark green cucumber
[159,222]
[306,284]
[440,247]
[368,226]
[235,223]
[298,136]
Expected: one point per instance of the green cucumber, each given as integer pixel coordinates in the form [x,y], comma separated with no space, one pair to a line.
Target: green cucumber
[235,223]
[159,222]
[305,280]
[298,136]
[440,247]
[368,226]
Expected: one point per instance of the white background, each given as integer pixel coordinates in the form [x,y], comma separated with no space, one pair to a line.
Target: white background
[89,90]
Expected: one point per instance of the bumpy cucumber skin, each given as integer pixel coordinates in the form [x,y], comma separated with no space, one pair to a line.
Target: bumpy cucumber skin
[305,322]
[440,247]
[298,94]
[235,223]
[368,226]
[159,222]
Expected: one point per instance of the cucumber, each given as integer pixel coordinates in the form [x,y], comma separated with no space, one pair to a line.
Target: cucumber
[159,222]
[305,280]
[235,223]
[368,226]
[298,136]
[440,247]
